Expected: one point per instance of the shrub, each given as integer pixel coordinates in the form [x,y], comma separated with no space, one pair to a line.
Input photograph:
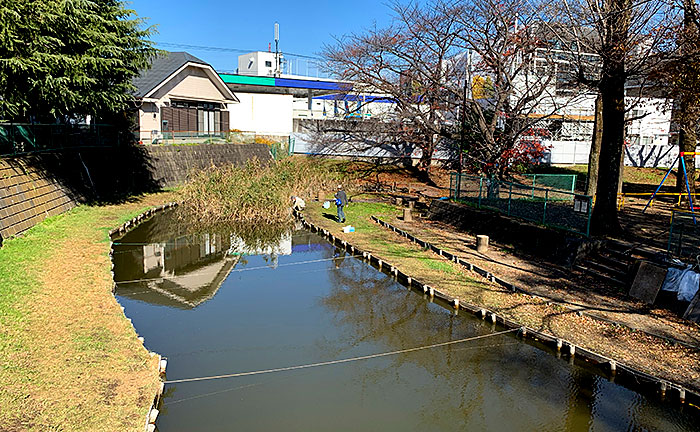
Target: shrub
[258,192]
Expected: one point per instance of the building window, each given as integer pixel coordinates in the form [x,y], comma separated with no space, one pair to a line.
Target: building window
[268,64]
[208,122]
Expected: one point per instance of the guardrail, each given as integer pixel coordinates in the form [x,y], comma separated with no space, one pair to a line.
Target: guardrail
[551,207]
[24,138]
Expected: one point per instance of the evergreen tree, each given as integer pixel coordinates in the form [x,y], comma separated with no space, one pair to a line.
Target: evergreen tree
[69,57]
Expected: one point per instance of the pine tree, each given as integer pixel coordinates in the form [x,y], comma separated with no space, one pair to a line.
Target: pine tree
[69,57]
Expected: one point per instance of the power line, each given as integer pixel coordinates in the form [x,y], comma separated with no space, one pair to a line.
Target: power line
[327,363]
[226,49]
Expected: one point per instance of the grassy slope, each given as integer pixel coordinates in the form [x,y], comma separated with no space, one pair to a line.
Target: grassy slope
[69,359]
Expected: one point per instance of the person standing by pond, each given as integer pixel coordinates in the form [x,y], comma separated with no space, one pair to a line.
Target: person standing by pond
[341,200]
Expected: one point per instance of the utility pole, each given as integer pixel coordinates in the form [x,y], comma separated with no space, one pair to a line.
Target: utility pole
[467,94]
[277,49]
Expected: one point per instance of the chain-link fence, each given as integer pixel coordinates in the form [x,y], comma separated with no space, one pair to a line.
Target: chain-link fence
[560,209]
[564,182]
[23,138]
[684,235]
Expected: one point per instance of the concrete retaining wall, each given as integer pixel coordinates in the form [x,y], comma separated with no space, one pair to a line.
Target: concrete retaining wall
[172,164]
[35,187]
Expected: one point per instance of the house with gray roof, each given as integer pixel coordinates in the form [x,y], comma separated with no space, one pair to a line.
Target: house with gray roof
[181,98]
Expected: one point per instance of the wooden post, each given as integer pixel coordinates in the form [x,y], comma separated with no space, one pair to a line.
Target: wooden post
[407,216]
[482,243]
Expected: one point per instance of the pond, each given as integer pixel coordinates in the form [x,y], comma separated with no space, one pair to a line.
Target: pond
[216,303]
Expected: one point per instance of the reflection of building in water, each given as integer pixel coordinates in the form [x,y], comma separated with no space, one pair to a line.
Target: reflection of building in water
[283,247]
[185,271]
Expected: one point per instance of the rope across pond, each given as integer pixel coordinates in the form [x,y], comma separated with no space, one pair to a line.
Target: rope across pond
[332,362]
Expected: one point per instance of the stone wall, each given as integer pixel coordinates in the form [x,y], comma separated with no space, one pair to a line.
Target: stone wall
[33,188]
[172,164]
[28,195]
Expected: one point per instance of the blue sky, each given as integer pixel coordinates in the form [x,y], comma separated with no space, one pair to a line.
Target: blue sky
[304,25]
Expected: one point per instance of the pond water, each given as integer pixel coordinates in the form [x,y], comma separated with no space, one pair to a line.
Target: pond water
[214,303]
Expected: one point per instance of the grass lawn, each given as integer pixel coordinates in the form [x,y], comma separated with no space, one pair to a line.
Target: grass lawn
[69,359]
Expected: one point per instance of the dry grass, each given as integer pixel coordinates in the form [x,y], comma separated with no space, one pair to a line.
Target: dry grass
[69,358]
[258,192]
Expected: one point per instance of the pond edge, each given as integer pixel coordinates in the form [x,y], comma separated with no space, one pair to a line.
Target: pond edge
[612,369]
[121,230]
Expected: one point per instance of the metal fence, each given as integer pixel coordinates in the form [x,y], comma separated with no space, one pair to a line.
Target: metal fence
[24,138]
[684,235]
[552,207]
[564,182]
[282,149]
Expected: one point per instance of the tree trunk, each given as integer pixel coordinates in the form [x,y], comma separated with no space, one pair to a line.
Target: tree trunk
[620,181]
[426,159]
[604,220]
[689,109]
[687,141]
[594,155]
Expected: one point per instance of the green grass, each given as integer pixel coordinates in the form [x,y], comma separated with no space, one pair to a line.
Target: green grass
[24,261]
[358,215]
[440,265]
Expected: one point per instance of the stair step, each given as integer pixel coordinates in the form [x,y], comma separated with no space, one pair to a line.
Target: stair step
[602,268]
[631,250]
[600,275]
[612,261]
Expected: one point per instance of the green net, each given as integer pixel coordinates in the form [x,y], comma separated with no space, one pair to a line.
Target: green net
[564,182]
[17,138]
[557,208]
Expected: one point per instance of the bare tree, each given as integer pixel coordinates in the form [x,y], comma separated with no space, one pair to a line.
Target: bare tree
[410,62]
[681,73]
[507,43]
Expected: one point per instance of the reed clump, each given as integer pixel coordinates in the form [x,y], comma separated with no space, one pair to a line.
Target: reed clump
[259,192]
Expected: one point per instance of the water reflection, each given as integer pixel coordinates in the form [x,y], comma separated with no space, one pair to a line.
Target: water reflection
[299,300]
[162,263]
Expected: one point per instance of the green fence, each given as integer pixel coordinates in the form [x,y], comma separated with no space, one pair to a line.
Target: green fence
[23,138]
[281,150]
[684,235]
[564,182]
[561,209]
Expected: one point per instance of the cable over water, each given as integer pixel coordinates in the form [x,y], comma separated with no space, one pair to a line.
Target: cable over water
[332,362]
[238,270]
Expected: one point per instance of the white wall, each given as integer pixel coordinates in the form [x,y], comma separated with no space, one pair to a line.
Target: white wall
[256,64]
[149,121]
[326,109]
[576,152]
[262,113]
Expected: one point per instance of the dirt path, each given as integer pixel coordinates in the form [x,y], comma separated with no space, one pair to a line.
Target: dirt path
[563,285]
[75,361]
